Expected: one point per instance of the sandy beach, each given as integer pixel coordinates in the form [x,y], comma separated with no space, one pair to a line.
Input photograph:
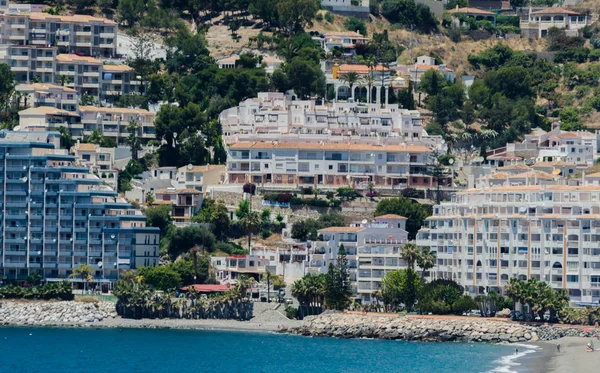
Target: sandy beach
[572,358]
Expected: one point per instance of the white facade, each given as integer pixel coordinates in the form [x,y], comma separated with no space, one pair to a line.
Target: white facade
[272,113]
[372,249]
[346,42]
[486,236]
[39,94]
[290,165]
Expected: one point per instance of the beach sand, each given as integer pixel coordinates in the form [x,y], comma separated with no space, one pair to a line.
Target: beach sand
[572,357]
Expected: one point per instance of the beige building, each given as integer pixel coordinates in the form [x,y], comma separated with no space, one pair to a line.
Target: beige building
[198,177]
[51,95]
[87,35]
[94,155]
[113,122]
[46,118]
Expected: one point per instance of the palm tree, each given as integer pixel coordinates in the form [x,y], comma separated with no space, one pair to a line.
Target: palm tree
[62,79]
[369,79]
[251,222]
[85,272]
[350,78]
[426,261]
[134,142]
[244,283]
[410,254]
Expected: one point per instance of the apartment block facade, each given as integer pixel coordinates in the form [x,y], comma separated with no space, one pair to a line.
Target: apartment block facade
[372,249]
[87,75]
[273,113]
[82,34]
[291,165]
[49,95]
[113,122]
[485,236]
[57,216]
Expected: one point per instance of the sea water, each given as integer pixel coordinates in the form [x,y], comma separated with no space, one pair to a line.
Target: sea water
[50,350]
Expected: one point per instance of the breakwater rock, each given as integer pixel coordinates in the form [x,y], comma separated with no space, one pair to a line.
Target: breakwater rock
[441,329]
[54,313]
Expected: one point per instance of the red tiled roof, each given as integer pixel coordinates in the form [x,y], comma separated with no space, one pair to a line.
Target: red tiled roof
[555,11]
[471,11]
[203,288]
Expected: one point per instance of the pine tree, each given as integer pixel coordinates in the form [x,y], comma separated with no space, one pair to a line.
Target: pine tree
[344,285]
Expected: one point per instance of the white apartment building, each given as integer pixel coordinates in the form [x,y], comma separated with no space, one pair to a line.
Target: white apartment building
[575,148]
[87,35]
[423,64]
[48,118]
[377,90]
[485,236]
[372,249]
[291,165]
[537,24]
[270,64]
[199,177]
[273,113]
[50,95]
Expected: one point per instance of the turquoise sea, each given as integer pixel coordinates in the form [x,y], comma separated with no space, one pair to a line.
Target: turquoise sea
[50,350]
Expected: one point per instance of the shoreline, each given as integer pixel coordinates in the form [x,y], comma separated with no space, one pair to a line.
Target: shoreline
[572,357]
[178,324]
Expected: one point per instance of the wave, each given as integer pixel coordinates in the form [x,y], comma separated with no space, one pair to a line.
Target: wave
[508,363]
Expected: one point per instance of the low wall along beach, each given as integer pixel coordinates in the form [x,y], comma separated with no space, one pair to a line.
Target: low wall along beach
[440,329]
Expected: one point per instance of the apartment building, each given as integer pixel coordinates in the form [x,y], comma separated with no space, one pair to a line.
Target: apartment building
[29,61]
[113,122]
[48,118]
[58,216]
[485,236]
[537,23]
[579,148]
[50,95]
[186,203]
[377,92]
[273,113]
[82,34]
[295,164]
[87,75]
[372,249]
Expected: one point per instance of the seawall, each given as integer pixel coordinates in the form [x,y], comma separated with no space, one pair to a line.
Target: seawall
[442,329]
[54,313]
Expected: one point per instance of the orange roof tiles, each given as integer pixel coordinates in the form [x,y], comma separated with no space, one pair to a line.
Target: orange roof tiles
[113,110]
[341,229]
[555,11]
[317,146]
[65,58]
[346,68]
[471,11]
[86,147]
[77,18]
[178,191]
[44,86]
[116,68]
[390,216]
[48,111]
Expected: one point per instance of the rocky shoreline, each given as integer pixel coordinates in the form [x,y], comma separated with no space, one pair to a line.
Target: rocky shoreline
[54,313]
[441,329]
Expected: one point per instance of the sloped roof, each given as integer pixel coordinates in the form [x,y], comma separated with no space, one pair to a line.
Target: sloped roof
[471,11]
[555,11]
[390,216]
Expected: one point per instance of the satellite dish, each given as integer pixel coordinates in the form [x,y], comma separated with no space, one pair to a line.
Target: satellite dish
[365,221]
[24,179]
[451,161]
[100,264]
[189,166]
[112,236]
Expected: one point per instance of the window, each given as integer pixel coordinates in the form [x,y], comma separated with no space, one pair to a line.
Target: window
[331,167]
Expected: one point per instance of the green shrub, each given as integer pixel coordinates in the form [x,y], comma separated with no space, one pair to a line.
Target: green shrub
[291,312]
[355,24]
[329,17]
